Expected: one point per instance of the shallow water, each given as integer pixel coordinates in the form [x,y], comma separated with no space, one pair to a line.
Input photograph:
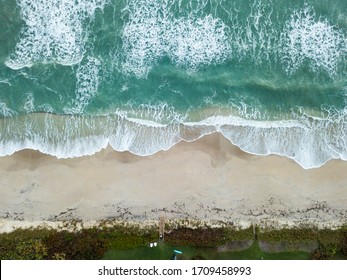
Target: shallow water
[141,76]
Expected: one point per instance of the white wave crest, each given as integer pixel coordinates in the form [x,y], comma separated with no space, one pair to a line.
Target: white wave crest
[310,141]
[160,113]
[153,32]
[319,43]
[54,32]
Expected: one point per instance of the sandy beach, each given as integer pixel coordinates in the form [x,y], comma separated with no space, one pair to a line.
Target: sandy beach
[209,180]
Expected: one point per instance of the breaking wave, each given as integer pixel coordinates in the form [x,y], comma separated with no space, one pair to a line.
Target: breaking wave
[55,32]
[188,36]
[318,42]
[153,32]
[310,140]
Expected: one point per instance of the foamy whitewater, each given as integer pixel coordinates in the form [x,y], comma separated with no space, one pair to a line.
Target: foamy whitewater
[143,75]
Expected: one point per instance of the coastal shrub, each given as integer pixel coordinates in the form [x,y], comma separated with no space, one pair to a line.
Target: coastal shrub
[23,244]
[118,237]
[343,244]
[195,237]
[330,241]
[211,237]
[323,236]
[25,250]
[232,234]
[324,252]
[329,237]
[7,248]
[94,242]
[120,241]
[83,245]
[31,250]
[295,235]
[59,256]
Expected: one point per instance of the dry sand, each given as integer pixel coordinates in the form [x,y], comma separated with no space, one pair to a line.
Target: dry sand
[209,179]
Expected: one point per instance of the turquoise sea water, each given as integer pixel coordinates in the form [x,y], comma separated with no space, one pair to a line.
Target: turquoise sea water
[142,75]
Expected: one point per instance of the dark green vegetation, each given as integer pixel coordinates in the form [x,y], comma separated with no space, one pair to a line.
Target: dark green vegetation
[165,251]
[330,244]
[207,237]
[87,244]
[125,242]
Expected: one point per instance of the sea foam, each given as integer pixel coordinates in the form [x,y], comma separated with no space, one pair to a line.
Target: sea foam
[156,29]
[310,141]
[153,32]
[318,42]
[88,80]
[54,31]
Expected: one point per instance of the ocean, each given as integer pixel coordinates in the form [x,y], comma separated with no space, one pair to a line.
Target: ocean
[143,75]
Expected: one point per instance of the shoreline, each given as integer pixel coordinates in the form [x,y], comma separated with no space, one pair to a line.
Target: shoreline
[208,180]
[71,136]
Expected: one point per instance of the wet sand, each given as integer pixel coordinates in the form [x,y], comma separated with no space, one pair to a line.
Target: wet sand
[209,179]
